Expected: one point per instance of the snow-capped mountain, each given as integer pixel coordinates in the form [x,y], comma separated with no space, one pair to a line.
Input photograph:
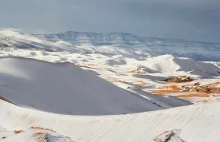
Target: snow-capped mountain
[154,46]
[111,43]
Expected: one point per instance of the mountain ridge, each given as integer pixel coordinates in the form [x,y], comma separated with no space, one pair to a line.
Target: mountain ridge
[131,34]
[92,42]
[154,46]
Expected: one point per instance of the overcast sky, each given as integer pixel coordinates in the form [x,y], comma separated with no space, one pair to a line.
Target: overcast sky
[184,19]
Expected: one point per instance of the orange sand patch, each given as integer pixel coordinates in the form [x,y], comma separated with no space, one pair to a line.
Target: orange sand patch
[107,69]
[167,90]
[193,95]
[38,133]
[212,84]
[163,92]
[78,65]
[172,87]
[132,71]
[138,71]
[216,95]
[84,65]
[17,132]
[90,64]
[202,101]
[40,128]
[140,83]
[113,80]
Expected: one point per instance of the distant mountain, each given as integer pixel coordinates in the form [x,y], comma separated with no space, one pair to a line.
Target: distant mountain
[154,46]
[109,43]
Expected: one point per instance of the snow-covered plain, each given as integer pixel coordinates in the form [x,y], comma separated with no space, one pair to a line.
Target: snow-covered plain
[78,77]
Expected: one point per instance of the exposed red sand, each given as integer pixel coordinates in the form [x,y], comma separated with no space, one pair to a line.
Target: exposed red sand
[17,132]
[136,71]
[193,95]
[113,80]
[164,90]
[38,133]
[78,64]
[40,128]
[132,71]
[140,83]
[212,84]
[167,90]
[179,79]
[172,87]
[84,65]
[203,101]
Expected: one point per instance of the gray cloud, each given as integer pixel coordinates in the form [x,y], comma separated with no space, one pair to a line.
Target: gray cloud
[186,19]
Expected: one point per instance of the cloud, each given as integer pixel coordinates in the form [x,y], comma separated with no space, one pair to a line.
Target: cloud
[187,19]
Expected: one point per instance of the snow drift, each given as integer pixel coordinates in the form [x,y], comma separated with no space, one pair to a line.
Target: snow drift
[197,123]
[171,65]
[64,88]
[117,61]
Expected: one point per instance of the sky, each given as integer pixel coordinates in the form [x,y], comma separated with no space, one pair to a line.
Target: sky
[196,20]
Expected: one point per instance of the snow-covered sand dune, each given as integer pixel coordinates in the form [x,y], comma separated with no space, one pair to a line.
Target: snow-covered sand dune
[197,123]
[67,89]
[170,65]
[33,134]
[64,88]
[62,99]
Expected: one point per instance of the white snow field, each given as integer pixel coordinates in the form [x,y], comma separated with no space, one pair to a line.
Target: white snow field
[197,123]
[91,87]
[33,135]
[170,65]
[64,88]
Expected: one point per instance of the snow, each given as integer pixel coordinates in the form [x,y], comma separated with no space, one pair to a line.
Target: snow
[112,43]
[145,74]
[32,135]
[163,101]
[64,88]
[171,65]
[171,136]
[196,122]
[154,46]
[97,87]
[117,61]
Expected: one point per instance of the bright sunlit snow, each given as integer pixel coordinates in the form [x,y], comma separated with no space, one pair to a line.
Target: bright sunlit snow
[107,87]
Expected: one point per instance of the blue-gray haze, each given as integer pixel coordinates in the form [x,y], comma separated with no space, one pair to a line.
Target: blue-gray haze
[184,19]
